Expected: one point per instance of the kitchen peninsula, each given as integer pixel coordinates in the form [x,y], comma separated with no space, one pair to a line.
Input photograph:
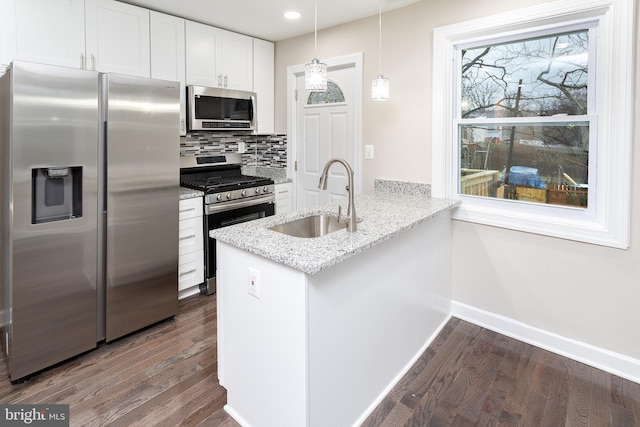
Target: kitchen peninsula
[315,331]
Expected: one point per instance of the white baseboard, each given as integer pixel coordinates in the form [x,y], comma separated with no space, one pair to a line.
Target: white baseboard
[236,417]
[609,361]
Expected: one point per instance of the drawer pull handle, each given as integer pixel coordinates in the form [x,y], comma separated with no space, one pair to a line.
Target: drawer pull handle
[191,236]
[193,270]
[188,209]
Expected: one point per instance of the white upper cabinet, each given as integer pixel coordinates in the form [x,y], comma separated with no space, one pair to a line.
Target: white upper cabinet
[204,54]
[168,55]
[263,83]
[218,58]
[45,31]
[110,36]
[237,61]
[117,38]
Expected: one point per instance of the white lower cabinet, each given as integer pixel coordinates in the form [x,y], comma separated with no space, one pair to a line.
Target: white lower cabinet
[191,247]
[284,197]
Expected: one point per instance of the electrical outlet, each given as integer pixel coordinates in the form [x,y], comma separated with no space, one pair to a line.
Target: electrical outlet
[254,282]
[368,152]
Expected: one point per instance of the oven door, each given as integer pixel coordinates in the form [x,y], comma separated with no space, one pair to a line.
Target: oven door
[225,218]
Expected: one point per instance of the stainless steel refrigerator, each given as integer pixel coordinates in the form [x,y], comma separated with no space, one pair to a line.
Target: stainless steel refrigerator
[89,184]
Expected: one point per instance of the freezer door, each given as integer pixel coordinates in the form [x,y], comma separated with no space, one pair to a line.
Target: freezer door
[51,250]
[142,180]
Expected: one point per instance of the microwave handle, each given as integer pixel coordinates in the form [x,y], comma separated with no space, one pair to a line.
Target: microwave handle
[254,115]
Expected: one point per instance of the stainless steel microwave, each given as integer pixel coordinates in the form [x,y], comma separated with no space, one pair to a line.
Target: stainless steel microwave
[217,109]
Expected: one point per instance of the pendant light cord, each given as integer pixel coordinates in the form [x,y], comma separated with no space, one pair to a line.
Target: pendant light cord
[380,37]
[315,29]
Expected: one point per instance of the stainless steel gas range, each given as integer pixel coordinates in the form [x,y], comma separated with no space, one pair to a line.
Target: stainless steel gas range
[230,198]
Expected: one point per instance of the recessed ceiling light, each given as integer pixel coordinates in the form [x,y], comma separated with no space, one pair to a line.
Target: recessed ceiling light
[292,15]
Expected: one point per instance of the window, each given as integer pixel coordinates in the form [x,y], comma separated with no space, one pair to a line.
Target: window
[532,119]
[332,95]
[523,120]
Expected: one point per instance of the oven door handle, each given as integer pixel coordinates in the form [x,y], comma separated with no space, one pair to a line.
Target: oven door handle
[227,206]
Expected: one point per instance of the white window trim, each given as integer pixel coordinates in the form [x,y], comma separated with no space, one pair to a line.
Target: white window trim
[608,222]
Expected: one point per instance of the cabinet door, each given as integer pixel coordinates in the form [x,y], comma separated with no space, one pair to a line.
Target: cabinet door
[237,61]
[204,56]
[263,83]
[117,38]
[168,55]
[45,31]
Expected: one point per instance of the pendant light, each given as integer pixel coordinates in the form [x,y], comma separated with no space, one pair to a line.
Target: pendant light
[380,85]
[315,72]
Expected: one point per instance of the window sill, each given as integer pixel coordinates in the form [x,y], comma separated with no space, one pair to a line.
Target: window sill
[560,222]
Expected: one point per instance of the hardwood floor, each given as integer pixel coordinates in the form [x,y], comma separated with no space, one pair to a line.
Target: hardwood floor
[470,376]
[166,375]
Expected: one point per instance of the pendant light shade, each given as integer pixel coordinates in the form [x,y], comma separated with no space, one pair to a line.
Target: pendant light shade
[315,72]
[380,88]
[315,76]
[380,85]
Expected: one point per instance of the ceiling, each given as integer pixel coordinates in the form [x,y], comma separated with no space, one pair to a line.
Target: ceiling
[264,19]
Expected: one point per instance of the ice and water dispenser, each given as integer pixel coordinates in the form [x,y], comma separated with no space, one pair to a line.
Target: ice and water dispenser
[57,193]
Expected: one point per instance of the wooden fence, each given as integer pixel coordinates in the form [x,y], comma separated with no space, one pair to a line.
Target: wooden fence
[567,195]
[478,182]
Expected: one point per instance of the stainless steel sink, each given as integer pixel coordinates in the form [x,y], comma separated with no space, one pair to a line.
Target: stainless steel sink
[311,226]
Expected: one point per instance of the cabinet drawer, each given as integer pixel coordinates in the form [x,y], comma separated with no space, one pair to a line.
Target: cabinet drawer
[284,197]
[190,235]
[190,269]
[190,208]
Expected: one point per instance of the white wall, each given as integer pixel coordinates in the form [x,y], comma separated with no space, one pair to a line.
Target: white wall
[580,291]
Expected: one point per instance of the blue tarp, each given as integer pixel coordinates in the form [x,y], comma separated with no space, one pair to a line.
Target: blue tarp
[524,176]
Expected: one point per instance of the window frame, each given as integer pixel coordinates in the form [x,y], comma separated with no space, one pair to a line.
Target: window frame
[606,221]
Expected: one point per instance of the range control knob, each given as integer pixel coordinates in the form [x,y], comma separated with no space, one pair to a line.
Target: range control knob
[265,190]
[258,191]
[244,193]
[219,197]
[228,196]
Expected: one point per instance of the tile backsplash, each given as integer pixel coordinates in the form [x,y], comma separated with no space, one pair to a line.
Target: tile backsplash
[261,151]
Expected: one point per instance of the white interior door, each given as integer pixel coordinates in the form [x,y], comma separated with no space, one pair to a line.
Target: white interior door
[325,130]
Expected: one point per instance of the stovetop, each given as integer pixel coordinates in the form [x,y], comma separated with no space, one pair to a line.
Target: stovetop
[214,182]
[220,177]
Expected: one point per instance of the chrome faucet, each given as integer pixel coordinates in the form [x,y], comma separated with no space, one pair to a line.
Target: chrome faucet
[351,209]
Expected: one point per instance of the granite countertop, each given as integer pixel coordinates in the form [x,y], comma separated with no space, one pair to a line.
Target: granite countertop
[188,193]
[383,215]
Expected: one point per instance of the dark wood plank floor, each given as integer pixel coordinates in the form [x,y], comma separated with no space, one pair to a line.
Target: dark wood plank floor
[166,375]
[470,376]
